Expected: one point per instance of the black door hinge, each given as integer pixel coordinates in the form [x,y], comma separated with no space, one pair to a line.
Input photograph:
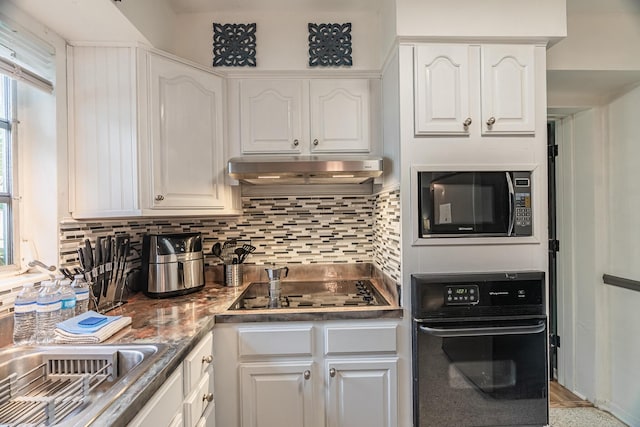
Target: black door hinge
[554,340]
[552,150]
[554,245]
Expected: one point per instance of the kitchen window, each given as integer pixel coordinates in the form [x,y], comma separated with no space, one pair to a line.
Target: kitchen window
[7,184]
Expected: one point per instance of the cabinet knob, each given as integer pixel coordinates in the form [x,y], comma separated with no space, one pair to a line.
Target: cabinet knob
[316,142]
[332,372]
[207,359]
[491,121]
[296,142]
[159,198]
[207,397]
[307,374]
[467,122]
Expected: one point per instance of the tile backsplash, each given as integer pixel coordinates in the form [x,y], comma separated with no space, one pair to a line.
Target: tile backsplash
[301,230]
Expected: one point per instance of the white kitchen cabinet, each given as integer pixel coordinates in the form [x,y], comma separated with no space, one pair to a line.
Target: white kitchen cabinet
[271,119]
[355,384]
[277,394]
[103,138]
[186,398]
[164,407]
[146,135]
[474,90]
[311,374]
[198,385]
[508,89]
[186,136]
[300,116]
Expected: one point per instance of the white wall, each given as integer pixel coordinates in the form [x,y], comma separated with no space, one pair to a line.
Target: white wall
[281,37]
[599,197]
[476,19]
[153,18]
[598,41]
[624,255]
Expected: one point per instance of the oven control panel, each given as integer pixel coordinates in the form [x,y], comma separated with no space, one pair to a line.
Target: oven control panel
[461,295]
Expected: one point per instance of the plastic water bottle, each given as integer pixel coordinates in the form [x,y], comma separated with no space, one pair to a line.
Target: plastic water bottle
[48,307]
[24,316]
[81,288]
[67,300]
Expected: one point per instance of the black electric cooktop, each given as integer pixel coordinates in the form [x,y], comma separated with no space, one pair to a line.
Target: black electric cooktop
[300,295]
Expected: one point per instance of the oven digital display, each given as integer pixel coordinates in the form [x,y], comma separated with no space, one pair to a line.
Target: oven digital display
[461,295]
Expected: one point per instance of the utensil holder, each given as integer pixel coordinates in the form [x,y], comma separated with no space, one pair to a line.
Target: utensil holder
[233,274]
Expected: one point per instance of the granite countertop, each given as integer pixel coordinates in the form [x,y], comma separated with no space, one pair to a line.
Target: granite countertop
[181,322]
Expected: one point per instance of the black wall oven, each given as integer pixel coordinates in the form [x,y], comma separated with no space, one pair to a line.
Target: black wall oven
[480,203]
[479,350]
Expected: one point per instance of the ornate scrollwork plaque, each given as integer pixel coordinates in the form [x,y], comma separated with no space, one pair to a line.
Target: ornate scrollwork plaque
[330,45]
[234,45]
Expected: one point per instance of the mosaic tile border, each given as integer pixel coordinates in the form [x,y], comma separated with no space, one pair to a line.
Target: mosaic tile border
[386,226]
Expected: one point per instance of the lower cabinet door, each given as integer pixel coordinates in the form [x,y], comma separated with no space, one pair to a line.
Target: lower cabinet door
[276,394]
[362,392]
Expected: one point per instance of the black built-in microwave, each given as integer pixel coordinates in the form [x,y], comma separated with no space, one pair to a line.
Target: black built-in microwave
[475,203]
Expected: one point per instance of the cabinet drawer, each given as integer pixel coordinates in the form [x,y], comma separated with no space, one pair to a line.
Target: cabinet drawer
[164,405]
[197,363]
[208,419]
[196,403]
[274,342]
[361,339]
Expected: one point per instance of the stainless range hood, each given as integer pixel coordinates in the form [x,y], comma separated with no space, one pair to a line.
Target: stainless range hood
[344,169]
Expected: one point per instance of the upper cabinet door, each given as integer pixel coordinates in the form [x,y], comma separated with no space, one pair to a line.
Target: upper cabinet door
[103,143]
[442,90]
[508,89]
[271,114]
[339,115]
[186,136]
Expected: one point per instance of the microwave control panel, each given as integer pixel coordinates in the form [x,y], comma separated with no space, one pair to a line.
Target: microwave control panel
[461,295]
[523,224]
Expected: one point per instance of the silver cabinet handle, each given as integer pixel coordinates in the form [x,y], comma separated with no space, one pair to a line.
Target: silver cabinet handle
[316,142]
[332,372]
[207,359]
[207,397]
[296,142]
[467,122]
[159,198]
[307,374]
[491,121]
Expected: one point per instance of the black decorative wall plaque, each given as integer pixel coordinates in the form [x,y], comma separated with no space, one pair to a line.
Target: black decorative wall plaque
[234,45]
[330,45]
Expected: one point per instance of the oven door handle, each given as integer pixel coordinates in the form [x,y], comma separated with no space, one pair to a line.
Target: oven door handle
[481,332]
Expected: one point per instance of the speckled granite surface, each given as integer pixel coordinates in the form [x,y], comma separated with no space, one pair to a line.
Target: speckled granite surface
[182,321]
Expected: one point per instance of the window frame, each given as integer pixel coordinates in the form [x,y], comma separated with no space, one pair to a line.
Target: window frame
[10,87]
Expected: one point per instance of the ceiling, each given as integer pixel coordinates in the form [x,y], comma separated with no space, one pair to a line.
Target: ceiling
[193,6]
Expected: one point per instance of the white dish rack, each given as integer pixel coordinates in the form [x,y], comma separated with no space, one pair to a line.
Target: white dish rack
[48,393]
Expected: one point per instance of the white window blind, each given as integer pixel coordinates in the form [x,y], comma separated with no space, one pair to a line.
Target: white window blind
[24,56]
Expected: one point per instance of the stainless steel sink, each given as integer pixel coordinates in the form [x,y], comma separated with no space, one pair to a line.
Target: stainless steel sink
[68,385]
